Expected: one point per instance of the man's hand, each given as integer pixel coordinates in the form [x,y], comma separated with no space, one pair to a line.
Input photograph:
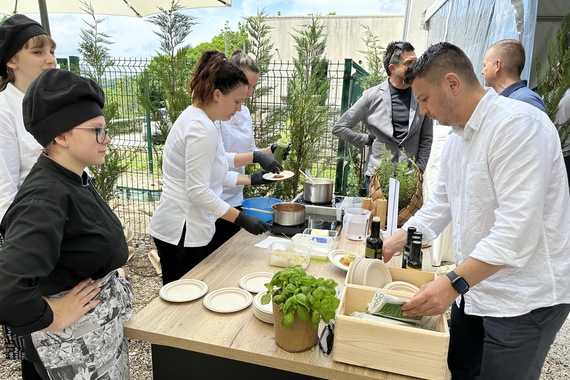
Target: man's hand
[433,298]
[394,244]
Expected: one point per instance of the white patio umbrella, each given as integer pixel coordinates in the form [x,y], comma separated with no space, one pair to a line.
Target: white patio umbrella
[136,8]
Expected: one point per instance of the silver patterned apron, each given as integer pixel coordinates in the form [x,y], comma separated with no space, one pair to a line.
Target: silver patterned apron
[93,348]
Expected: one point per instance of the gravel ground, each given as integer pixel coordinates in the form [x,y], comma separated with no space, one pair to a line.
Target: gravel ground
[146,283]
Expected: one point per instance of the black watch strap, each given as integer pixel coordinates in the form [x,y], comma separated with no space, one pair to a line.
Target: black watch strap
[459,284]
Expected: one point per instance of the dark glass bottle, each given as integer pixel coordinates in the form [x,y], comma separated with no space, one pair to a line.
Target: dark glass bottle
[373,242]
[407,247]
[417,235]
[415,261]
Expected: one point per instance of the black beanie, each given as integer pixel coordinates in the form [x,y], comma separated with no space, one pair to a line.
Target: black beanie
[14,33]
[59,100]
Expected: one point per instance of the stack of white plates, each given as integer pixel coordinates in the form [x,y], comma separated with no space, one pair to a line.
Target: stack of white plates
[402,286]
[368,272]
[263,312]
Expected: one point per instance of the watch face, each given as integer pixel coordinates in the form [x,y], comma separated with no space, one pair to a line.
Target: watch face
[461,285]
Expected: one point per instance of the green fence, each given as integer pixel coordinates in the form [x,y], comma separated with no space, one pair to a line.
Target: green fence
[139,188]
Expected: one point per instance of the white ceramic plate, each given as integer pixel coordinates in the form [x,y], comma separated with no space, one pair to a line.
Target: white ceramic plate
[336,255]
[228,300]
[183,290]
[255,282]
[277,177]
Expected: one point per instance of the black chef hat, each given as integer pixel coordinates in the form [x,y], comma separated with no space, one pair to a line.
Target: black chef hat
[14,33]
[59,100]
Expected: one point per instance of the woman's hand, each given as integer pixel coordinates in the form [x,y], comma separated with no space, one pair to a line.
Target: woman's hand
[75,304]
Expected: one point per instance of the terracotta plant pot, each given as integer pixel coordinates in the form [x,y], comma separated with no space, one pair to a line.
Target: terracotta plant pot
[300,336]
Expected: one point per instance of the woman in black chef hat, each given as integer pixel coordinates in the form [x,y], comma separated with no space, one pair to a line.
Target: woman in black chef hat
[59,286]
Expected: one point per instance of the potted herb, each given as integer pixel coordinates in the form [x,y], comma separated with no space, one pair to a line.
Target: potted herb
[410,197]
[300,302]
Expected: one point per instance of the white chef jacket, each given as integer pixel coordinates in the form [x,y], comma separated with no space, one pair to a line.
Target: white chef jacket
[237,135]
[194,170]
[503,184]
[20,150]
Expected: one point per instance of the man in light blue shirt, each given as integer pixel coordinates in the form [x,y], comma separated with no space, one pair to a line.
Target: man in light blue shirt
[502,67]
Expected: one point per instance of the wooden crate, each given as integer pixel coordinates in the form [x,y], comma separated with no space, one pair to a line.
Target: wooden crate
[391,348]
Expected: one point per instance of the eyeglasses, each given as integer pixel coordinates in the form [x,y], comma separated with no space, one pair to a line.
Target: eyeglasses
[395,54]
[100,133]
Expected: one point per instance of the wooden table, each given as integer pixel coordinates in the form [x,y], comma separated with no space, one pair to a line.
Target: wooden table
[191,342]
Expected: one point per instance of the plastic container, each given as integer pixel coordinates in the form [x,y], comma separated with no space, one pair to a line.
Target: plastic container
[282,145]
[355,223]
[320,245]
[288,253]
[262,203]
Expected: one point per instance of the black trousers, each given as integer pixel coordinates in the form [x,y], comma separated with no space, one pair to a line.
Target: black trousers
[177,260]
[29,371]
[224,231]
[489,348]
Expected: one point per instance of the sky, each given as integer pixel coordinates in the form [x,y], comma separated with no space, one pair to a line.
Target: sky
[134,37]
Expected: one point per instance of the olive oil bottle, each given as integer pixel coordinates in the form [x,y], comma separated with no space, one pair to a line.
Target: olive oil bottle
[374,242]
[407,247]
[415,261]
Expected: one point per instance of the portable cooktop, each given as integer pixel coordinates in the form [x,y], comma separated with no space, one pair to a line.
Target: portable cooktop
[328,210]
[312,221]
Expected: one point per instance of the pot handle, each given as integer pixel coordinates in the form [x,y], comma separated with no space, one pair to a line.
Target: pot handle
[257,210]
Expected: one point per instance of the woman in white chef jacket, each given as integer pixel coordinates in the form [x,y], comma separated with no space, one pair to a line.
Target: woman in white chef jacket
[195,169]
[237,136]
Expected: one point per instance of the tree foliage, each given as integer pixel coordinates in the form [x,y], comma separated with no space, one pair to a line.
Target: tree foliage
[374,53]
[307,114]
[553,83]
[164,84]
[94,47]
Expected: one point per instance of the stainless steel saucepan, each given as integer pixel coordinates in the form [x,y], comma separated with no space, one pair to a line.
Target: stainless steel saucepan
[285,213]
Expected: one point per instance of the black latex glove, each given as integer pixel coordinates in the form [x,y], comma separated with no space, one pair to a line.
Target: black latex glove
[285,152]
[251,224]
[257,178]
[371,139]
[267,162]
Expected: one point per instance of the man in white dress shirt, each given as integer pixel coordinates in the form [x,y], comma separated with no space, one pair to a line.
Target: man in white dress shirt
[503,186]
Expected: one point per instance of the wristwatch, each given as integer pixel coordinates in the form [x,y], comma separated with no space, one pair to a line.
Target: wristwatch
[459,284]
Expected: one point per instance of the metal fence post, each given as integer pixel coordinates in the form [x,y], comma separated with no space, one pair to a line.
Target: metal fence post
[74,64]
[148,130]
[342,152]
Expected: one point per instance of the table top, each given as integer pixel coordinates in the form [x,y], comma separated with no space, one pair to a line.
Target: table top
[240,335]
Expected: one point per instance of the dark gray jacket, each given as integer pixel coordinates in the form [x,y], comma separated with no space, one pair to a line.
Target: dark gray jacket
[374,109]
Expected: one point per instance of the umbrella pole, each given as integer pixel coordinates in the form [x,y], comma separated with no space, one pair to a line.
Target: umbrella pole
[44,15]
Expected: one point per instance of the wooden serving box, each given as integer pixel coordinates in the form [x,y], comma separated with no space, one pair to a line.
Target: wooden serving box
[399,349]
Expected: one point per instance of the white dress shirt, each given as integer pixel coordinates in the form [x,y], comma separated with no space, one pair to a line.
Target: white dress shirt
[237,135]
[20,150]
[194,170]
[503,184]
